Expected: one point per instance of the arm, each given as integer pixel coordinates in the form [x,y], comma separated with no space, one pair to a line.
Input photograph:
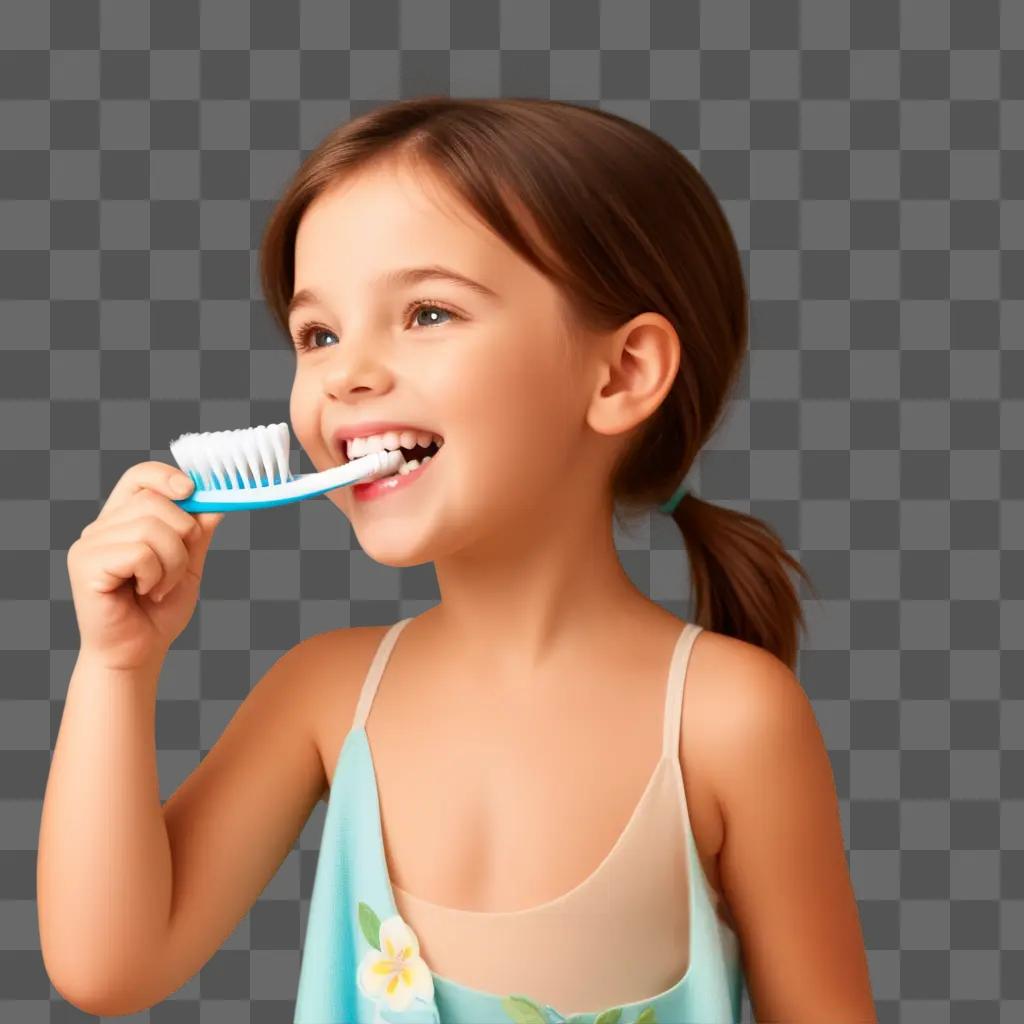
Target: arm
[783,867]
[103,867]
[135,897]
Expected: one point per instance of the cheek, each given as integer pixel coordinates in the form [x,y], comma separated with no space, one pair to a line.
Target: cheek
[304,418]
[518,415]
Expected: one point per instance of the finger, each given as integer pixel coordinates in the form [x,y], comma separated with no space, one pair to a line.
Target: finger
[197,545]
[157,476]
[146,503]
[119,561]
[155,535]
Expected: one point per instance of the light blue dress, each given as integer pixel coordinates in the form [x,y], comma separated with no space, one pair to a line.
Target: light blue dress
[361,962]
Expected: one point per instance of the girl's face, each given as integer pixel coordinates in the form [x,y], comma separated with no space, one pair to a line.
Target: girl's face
[487,368]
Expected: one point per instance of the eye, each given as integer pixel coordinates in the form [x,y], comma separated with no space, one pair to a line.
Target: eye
[419,306]
[305,335]
[307,331]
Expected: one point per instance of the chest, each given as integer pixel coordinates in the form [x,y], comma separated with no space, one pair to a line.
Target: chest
[514,797]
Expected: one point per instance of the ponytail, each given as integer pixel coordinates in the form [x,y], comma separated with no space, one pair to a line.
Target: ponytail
[739,574]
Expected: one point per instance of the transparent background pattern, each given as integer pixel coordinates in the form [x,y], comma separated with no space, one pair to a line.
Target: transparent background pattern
[869,156]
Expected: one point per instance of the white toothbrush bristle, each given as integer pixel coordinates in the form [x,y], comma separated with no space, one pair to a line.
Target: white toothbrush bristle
[251,457]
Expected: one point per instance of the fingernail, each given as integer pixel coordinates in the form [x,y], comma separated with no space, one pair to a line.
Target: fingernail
[181,485]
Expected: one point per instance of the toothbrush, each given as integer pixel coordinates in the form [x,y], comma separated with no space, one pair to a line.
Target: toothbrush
[248,468]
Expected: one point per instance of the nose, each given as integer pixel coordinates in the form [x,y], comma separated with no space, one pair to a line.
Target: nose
[355,368]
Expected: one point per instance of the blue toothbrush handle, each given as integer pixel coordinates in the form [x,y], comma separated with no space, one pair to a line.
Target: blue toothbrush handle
[298,488]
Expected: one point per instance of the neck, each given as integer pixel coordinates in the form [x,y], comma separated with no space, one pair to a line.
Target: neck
[527,604]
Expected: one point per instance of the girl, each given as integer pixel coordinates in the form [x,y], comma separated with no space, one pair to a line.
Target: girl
[547,301]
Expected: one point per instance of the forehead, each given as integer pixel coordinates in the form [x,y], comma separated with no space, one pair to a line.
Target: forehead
[386,214]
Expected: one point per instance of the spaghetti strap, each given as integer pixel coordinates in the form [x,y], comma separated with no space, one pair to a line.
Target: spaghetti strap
[674,689]
[375,671]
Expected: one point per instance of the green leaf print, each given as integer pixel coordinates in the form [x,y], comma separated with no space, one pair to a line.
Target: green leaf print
[369,923]
[523,1010]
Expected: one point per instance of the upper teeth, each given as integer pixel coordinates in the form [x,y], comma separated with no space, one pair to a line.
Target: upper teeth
[392,440]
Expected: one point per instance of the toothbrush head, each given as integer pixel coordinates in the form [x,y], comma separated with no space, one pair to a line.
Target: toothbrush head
[248,469]
[234,459]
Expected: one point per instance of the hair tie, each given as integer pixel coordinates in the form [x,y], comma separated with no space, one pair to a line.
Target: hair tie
[669,506]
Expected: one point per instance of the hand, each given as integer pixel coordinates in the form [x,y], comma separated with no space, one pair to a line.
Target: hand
[140,535]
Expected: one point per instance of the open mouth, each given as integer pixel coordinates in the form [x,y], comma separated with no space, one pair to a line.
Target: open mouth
[413,457]
[416,457]
[420,452]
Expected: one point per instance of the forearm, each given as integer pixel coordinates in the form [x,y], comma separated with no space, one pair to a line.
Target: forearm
[104,872]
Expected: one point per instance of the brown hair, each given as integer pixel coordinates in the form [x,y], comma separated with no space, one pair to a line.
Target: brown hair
[623,223]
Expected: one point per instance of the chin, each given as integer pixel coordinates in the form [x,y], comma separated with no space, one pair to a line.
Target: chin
[397,549]
[394,553]
[400,561]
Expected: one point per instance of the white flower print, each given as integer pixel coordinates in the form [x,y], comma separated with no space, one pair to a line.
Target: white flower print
[395,973]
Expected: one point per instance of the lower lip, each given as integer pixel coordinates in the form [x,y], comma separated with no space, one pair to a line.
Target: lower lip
[389,484]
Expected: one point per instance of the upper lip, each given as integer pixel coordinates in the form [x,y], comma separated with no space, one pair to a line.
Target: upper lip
[343,434]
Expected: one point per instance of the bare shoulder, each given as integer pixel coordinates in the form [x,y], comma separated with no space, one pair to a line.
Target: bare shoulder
[731,688]
[745,692]
[749,706]
[318,676]
[335,663]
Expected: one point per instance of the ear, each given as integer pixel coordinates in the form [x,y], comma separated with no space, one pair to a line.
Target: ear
[639,363]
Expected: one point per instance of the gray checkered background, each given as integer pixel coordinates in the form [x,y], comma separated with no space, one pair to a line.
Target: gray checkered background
[868,155]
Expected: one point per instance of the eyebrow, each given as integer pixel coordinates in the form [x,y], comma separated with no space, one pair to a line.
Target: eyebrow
[403,277]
